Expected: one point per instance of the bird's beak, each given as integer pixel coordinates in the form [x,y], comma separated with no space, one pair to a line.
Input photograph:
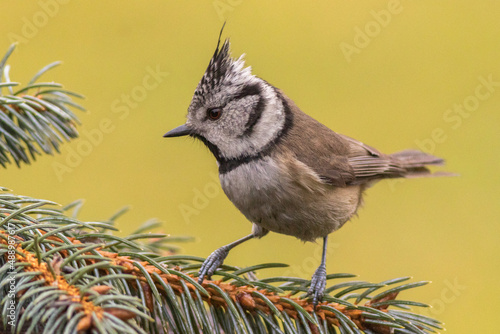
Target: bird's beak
[179,131]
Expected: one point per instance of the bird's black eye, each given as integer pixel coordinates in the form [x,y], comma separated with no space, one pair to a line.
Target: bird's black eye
[214,113]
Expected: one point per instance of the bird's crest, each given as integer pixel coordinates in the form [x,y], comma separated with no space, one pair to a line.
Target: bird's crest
[223,70]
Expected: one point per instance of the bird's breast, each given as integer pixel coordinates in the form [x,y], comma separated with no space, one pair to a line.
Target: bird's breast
[283,198]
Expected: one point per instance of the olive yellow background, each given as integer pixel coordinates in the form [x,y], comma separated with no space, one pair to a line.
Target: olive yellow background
[393,74]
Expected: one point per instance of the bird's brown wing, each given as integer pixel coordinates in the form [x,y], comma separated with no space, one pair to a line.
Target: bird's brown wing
[318,147]
[331,168]
[337,159]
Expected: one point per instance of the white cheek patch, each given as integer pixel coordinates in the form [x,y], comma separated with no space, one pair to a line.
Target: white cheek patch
[265,130]
[237,115]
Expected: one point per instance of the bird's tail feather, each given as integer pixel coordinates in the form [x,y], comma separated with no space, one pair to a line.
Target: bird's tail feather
[415,162]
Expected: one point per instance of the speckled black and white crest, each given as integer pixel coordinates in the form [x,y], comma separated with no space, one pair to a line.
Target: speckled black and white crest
[223,72]
[218,66]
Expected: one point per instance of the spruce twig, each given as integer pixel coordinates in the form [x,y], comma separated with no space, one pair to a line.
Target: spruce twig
[87,279]
[35,117]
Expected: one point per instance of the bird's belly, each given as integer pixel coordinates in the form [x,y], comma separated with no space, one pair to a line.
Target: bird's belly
[272,200]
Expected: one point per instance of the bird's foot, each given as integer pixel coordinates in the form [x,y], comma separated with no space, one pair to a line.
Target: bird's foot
[212,262]
[318,284]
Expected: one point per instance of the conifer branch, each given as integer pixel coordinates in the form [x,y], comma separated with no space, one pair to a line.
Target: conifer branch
[35,117]
[77,276]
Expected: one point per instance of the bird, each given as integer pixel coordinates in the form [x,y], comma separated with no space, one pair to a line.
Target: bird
[286,172]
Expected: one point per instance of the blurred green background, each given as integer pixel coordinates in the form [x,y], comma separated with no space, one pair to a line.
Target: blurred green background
[394,74]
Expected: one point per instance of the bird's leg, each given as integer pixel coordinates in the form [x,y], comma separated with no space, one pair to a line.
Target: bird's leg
[318,280]
[216,259]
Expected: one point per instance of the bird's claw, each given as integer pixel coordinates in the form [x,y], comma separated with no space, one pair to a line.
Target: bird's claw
[318,284]
[212,262]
